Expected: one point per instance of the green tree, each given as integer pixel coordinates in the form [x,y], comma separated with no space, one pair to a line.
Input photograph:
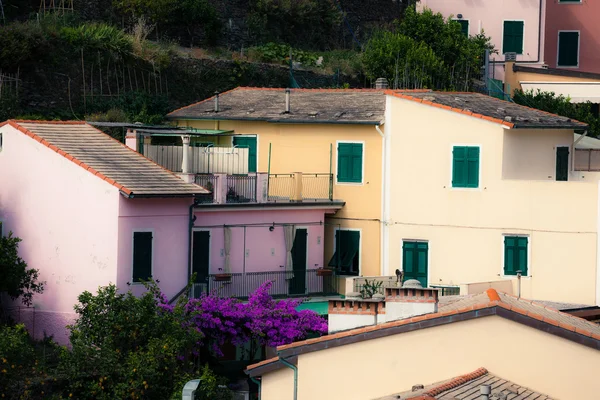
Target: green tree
[16,279]
[561,105]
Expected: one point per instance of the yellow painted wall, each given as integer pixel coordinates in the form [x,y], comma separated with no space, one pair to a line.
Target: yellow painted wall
[465,227]
[306,148]
[384,366]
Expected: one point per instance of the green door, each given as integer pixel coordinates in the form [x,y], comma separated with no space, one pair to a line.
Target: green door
[562,163]
[415,260]
[248,143]
[201,255]
[298,282]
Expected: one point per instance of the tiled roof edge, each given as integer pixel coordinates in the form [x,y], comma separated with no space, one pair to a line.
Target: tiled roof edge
[260,364]
[16,124]
[169,115]
[456,382]
[457,110]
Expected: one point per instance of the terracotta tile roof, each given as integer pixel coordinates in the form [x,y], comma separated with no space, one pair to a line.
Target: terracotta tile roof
[107,158]
[337,106]
[467,387]
[491,109]
[485,304]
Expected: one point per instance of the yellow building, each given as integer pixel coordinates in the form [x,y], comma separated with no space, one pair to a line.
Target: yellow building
[454,189]
[494,336]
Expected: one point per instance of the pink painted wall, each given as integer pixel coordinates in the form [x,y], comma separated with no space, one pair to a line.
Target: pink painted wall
[167,219]
[490,16]
[260,242]
[67,219]
[581,17]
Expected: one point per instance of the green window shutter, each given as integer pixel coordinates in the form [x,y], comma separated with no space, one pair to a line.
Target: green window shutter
[464,26]
[408,260]
[1,231]
[142,256]
[350,157]
[465,167]
[415,262]
[568,49]
[515,255]
[513,37]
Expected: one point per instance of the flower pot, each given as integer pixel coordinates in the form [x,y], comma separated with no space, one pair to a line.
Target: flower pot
[324,272]
[222,277]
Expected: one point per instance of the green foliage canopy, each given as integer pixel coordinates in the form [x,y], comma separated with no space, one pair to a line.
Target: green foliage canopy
[15,278]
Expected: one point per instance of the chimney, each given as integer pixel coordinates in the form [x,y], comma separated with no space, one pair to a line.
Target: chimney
[287,101]
[410,300]
[485,391]
[381,83]
[216,102]
[354,312]
[131,139]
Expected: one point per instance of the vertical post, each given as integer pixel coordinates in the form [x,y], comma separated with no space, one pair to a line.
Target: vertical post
[185,163]
[269,171]
[331,171]
[486,71]
[297,195]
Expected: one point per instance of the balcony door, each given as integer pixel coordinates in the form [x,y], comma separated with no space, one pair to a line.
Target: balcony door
[415,255]
[299,257]
[248,142]
[201,256]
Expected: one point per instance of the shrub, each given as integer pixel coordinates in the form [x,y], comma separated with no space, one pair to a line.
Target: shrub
[280,54]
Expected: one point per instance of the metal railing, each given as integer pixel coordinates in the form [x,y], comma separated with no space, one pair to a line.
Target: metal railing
[241,189]
[317,187]
[208,182]
[281,187]
[587,160]
[447,290]
[285,284]
[359,284]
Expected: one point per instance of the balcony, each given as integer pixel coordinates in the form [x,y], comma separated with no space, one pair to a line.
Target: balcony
[299,283]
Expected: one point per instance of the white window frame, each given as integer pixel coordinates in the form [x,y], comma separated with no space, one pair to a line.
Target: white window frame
[502,41]
[468,22]
[360,245]
[529,275]
[362,172]
[151,255]
[428,258]
[452,146]
[578,49]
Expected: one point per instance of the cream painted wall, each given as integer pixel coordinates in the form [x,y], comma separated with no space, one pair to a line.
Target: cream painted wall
[506,348]
[306,148]
[465,227]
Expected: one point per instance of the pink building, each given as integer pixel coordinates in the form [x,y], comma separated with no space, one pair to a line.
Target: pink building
[91,212]
[573,35]
[515,26]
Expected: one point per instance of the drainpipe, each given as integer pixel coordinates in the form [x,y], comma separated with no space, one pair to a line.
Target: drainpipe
[192,219]
[258,383]
[295,369]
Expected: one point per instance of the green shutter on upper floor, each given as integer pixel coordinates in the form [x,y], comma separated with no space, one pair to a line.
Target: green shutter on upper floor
[142,256]
[568,49]
[350,160]
[512,41]
[515,255]
[465,167]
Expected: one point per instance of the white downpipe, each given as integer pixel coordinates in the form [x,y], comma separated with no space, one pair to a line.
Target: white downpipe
[385,190]
[598,250]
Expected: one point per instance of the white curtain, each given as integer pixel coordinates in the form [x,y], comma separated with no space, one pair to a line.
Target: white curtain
[227,249]
[289,232]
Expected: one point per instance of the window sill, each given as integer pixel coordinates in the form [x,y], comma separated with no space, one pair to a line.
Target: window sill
[349,183]
[513,277]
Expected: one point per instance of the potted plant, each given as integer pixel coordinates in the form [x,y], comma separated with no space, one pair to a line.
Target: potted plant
[369,289]
[222,277]
[324,272]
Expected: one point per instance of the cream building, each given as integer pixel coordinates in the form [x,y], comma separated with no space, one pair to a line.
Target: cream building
[552,354]
[455,189]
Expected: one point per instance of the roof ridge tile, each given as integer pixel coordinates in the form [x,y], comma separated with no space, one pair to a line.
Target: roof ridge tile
[456,382]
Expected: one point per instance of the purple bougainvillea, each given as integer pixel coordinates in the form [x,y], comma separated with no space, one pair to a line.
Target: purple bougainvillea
[261,319]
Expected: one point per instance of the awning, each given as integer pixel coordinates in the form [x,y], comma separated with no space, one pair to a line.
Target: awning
[347,244]
[578,92]
[320,307]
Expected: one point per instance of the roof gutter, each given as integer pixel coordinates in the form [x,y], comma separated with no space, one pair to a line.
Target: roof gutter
[573,149]
[280,121]
[160,196]
[518,126]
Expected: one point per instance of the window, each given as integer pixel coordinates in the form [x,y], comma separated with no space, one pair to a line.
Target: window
[1,231]
[515,255]
[465,167]
[569,1]
[568,49]
[350,162]
[464,26]
[512,41]
[142,256]
[0,141]
[346,256]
